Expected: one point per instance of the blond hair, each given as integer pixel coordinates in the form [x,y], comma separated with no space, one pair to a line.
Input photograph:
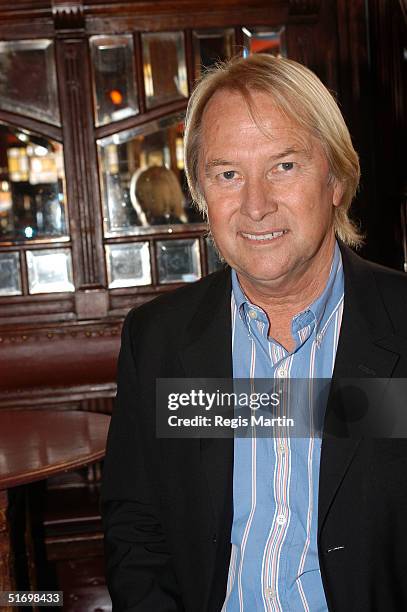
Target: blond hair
[301,96]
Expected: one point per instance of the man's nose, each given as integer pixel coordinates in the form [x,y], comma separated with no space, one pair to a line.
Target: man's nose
[258,199]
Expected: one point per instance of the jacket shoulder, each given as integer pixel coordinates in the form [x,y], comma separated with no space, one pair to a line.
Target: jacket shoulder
[392,286]
[391,283]
[176,308]
[374,282]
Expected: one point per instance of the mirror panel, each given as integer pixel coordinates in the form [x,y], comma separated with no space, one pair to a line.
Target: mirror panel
[210,46]
[28,83]
[128,265]
[114,78]
[142,178]
[49,271]
[178,261]
[10,278]
[264,40]
[32,187]
[165,70]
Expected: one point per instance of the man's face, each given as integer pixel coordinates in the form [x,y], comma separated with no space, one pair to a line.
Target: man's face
[270,200]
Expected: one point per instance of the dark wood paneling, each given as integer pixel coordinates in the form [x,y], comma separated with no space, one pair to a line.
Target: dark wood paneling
[39,309]
[372,37]
[143,16]
[356,96]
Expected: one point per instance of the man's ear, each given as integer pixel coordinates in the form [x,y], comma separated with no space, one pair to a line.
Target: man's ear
[338,191]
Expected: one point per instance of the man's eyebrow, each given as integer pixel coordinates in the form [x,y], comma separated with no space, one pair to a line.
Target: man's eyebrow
[306,151]
[214,163]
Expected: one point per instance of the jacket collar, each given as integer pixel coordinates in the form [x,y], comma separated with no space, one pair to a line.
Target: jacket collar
[367,345]
[208,344]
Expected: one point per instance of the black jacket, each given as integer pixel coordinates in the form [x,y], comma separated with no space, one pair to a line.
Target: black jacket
[167,504]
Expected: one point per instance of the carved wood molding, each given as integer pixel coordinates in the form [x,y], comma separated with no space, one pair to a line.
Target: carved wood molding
[51,334]
[68,15]
[80,156]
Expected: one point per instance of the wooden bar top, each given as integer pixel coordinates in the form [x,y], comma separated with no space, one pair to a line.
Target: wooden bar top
[37,444]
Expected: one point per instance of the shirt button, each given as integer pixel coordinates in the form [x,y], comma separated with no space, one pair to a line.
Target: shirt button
[281,519]
[281,373]
[252,314]
[270,593]
[281,448]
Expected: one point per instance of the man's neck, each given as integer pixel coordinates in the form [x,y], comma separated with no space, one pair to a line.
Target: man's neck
[282,302]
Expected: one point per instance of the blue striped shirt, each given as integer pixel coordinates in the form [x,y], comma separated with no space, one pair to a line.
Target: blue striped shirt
[274,561]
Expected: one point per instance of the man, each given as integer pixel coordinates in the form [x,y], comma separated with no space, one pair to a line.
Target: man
[271,524]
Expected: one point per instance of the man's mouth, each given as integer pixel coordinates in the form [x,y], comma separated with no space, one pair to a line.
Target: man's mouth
[263,237]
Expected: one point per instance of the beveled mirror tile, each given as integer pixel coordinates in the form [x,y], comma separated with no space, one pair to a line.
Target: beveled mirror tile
[128,265]
[264,40]
[178,261]
[28,83]
[211,46]
[49,271]
[164,64]
[10,277]
[114,78]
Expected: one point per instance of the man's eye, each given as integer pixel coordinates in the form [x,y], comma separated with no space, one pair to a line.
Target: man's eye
[287,166]
[228,175]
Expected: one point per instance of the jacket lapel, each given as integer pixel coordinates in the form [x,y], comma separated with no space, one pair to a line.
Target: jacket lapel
[366,350]
[208,354]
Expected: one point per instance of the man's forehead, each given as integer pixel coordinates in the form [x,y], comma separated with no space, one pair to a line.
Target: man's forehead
[228,109]
[225,138]
[252,102]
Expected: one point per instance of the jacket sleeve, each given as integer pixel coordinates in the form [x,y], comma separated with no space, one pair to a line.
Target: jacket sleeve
[140,574]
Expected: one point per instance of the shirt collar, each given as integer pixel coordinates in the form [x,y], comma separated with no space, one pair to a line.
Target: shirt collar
[318,312]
